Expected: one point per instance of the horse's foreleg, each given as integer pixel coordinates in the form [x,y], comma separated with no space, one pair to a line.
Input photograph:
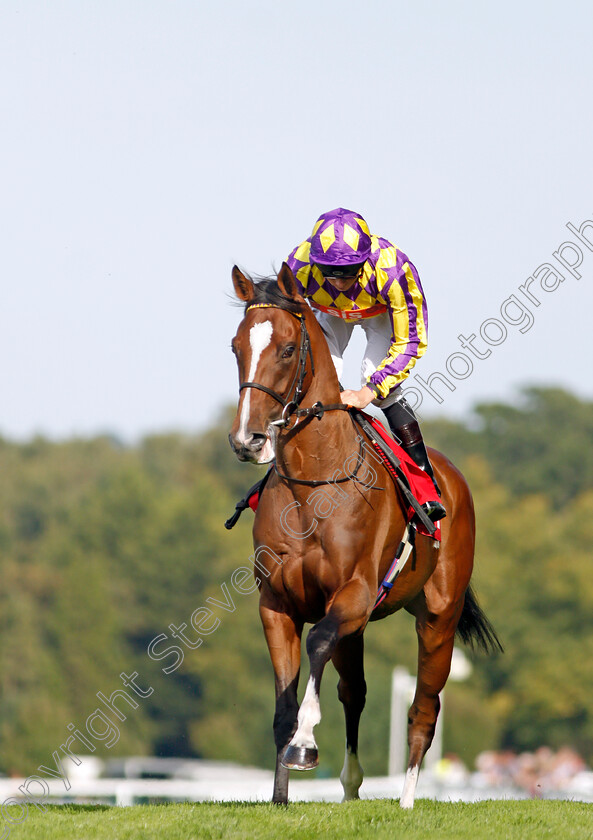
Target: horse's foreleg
[301,753]
[348,661]
[348,614]
[283,636]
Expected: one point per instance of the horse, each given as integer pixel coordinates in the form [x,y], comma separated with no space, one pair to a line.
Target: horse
[320,560]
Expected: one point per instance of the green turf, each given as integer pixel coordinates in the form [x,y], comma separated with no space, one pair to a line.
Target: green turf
[503,820]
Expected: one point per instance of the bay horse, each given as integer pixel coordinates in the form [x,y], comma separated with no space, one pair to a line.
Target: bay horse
[320,561]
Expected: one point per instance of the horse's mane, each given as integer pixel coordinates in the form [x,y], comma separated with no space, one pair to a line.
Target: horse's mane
[268,291]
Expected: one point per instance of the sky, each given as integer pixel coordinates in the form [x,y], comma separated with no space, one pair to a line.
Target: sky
[148,146]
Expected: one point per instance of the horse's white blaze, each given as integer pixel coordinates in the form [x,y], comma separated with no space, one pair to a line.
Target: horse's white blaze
[309,716]
[409,791]
[351,775]
[260,336]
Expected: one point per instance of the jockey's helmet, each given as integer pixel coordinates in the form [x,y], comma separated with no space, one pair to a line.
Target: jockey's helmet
[340,237]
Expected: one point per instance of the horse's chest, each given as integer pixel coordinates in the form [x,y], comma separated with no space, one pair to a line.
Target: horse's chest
[306,580]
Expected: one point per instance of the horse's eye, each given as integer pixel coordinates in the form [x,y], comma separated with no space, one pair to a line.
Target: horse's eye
[233,349]
[288,352]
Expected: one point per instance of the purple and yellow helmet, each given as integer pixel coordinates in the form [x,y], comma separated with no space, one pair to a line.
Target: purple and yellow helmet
[340,237]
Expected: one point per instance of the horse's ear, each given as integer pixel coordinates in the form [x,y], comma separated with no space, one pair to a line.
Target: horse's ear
[287,283]
[243,285]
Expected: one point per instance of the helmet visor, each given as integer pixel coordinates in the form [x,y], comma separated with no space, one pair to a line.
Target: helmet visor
[343,272]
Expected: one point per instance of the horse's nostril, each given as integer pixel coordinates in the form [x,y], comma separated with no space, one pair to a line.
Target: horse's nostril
[257,442]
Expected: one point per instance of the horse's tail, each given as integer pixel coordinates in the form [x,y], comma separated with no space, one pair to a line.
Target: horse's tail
[474,627]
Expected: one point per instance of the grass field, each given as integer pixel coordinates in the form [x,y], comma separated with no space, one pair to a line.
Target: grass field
[376,819]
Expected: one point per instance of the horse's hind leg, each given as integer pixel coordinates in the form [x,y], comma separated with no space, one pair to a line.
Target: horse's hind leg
[436,635]
[283,636]
[348,662]
[434,661]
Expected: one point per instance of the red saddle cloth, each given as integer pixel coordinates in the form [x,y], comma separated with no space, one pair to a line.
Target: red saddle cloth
[421,484]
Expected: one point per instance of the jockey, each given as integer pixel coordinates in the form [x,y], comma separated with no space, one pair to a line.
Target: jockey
[351,278]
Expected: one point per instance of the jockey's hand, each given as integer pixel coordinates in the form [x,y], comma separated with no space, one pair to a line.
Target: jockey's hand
[358,399]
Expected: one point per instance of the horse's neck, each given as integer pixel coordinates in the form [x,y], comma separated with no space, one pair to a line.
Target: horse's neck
[316,448]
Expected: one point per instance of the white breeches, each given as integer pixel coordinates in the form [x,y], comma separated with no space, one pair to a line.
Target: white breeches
[378,333]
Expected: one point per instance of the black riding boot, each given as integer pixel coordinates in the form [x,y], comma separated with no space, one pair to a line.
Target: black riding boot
[404,425]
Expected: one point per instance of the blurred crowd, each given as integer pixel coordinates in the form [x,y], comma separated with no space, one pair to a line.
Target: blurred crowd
[537,773]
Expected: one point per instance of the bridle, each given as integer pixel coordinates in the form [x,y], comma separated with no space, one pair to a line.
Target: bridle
[290,405]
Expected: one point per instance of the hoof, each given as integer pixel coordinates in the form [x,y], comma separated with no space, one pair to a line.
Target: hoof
[300,758]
